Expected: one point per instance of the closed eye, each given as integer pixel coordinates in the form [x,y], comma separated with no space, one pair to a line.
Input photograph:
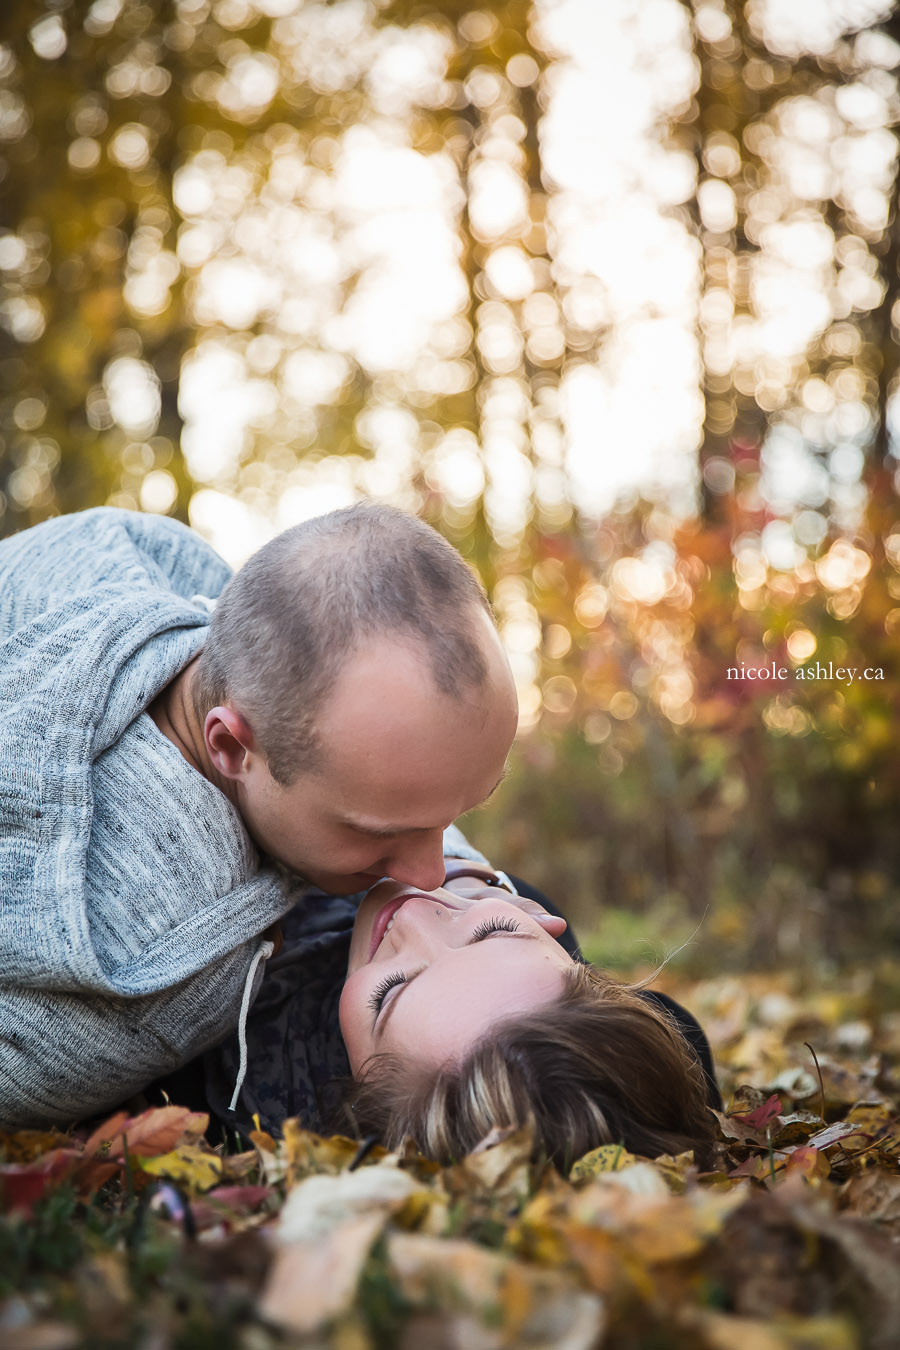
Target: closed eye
[383,988]
[379,994]
[504,925]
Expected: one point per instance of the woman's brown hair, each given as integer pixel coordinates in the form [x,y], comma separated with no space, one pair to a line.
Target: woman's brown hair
[599,1065]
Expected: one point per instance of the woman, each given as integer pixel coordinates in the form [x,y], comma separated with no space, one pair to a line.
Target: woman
[457,1011]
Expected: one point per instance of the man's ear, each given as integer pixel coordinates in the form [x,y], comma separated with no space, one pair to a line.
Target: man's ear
[229,740]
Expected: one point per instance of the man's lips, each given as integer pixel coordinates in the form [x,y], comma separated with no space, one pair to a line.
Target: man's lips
[389,909]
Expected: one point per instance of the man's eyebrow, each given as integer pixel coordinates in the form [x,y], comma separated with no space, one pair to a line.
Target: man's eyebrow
[385,1018]
[385,831]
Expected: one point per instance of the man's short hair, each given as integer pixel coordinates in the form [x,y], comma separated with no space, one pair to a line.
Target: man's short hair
[290,617]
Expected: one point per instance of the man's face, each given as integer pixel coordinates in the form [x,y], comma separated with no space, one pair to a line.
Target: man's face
[400,760]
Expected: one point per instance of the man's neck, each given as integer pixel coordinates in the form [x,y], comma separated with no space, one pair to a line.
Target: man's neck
[174,713]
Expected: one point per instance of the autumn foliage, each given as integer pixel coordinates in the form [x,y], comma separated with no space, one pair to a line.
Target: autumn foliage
[141,1228]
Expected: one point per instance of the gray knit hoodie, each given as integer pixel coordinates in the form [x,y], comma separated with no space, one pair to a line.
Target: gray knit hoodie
[130,896]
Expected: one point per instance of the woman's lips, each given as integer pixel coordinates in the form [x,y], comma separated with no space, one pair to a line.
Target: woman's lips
[389,909]
[382,919]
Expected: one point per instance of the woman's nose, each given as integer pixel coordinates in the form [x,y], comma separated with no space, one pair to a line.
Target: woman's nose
[422,926]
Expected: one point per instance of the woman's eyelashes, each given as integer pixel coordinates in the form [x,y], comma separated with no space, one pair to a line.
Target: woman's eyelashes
[484,930]
[383,988]
[504,925]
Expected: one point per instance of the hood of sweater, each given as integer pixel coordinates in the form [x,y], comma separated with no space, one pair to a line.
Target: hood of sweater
[98,612]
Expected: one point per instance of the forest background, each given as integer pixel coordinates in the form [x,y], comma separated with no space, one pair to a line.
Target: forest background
[608,292]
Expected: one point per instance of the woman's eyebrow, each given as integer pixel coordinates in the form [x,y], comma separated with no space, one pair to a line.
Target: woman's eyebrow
[384,1018]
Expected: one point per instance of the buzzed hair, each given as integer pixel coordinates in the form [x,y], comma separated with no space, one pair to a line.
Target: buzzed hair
[289,618]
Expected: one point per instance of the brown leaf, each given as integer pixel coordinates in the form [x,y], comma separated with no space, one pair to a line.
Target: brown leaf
[874,1195]
[796,1128]
[239,1166]
[503,1169]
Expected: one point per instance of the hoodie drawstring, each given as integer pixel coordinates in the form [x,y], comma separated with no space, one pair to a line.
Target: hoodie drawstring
[264,951]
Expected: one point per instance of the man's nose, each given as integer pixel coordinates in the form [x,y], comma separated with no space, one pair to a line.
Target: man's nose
[418,861]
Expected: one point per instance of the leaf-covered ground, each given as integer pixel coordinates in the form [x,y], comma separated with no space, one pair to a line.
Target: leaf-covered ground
[139,1235]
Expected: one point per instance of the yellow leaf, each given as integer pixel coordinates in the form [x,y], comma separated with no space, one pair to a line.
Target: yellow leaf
[22,1146]
[606,1158]
[189,1164]
[313,1153]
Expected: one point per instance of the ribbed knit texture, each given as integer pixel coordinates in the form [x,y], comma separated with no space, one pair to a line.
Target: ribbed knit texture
[130,892]
[131,896]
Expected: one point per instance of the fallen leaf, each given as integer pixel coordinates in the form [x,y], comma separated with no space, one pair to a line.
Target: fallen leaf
[606,1158]
[834,1134]
[307,1152]
[195,1167]
[503,1169]
[147,1135]
[272,1156]
[23,1184]
[238,1166]
[808,1162]
[874,1195]
[522,1305]
[22,1146]
[313,1280]
[320,1203]
[762,1116]
[796,1128]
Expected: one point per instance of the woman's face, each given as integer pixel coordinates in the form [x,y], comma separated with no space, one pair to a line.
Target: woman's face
[431,971]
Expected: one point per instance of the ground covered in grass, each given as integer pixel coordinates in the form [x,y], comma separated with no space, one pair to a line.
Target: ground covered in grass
[139,1235]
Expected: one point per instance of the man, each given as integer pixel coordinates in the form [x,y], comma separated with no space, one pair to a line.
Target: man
[347,700]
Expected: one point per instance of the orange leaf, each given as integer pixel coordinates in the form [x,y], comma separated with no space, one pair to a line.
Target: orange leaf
[808,1162]
[153,1132]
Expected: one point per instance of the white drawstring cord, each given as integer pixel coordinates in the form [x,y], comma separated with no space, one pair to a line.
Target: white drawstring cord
[263,953]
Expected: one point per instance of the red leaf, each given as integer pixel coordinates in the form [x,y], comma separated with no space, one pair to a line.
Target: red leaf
[23,1184]
[763,1115]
